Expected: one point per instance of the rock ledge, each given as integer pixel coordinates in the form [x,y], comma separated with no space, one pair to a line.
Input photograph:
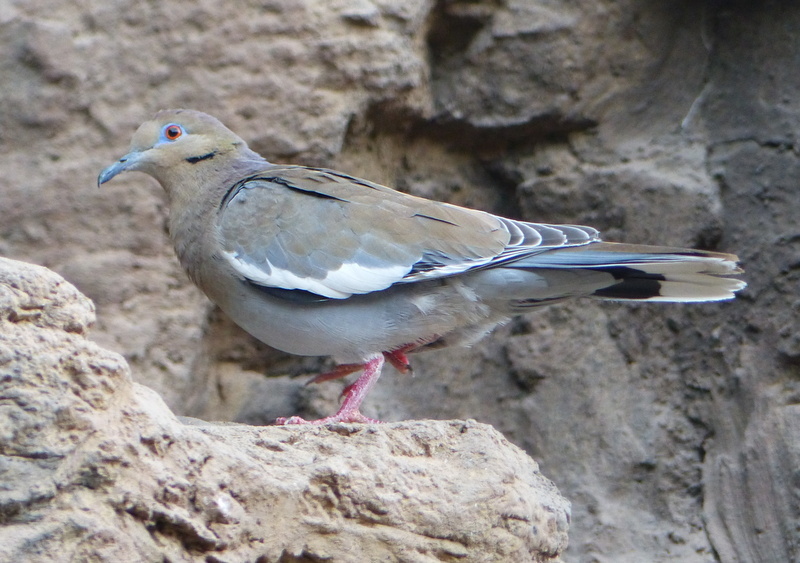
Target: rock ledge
[96,468]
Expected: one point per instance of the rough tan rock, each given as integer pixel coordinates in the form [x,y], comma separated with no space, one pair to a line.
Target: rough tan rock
[97,468]
[670,122]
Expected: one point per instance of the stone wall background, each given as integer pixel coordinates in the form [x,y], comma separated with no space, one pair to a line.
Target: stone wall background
[672,429]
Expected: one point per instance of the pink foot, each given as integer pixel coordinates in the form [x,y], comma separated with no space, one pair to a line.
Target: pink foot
[353,394]
[355,416]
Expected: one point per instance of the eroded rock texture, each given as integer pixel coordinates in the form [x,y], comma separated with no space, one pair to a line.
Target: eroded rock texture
[95,467]
[672,429]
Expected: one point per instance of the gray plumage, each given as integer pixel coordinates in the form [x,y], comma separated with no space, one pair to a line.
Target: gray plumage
[316,262]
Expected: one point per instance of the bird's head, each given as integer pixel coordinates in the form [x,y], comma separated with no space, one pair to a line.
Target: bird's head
[175,142]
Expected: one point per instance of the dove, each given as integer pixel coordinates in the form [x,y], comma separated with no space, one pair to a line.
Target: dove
[316,262]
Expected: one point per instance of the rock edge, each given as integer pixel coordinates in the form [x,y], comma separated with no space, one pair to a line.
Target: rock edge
[96,467]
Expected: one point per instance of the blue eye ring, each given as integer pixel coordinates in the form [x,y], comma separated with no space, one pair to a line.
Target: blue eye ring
[172,132]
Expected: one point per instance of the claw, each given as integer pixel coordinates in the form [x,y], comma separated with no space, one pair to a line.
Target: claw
[399,360]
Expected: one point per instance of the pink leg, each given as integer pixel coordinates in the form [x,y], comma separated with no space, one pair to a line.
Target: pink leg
[397,358]
[339,371]
[353,394]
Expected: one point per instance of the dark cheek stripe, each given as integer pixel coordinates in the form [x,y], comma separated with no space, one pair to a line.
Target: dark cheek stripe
[196,159]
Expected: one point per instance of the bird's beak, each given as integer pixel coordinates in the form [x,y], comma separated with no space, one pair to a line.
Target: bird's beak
[128,162]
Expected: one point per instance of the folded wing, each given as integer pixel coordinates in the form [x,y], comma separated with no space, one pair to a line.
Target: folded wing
[333,235]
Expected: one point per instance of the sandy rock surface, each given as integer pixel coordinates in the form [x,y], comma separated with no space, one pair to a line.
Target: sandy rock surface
[97,468]
[672,429]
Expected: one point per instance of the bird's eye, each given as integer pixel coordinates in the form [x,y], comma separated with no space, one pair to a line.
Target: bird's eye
[172,132]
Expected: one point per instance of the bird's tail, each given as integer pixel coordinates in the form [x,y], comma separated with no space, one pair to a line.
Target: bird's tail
[644,273]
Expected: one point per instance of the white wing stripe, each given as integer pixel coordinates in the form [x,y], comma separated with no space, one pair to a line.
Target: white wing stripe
[350,278]
[355,278]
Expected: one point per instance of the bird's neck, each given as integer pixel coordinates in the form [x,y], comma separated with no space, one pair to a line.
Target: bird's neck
[192,226]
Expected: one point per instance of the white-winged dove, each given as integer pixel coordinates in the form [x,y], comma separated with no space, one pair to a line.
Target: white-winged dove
[319,263]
